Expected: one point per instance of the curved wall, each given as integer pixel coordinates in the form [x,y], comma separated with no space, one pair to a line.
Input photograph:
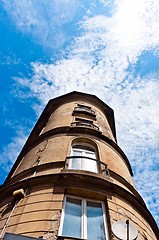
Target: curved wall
[63,116]
[46,152]
[41,171]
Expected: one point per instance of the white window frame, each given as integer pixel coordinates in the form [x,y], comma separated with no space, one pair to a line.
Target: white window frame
[83,217]
[83,151]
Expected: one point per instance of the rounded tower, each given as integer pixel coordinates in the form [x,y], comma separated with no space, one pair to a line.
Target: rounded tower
[72,181]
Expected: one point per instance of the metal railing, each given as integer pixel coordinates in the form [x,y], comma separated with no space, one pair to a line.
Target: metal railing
[102,168]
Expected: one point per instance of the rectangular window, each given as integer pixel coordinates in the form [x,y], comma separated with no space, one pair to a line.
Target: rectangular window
[85,111]
[88,110]
[80,106]
[82,120]
[84,219]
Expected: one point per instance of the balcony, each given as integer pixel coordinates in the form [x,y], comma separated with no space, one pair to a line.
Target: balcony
[86,164]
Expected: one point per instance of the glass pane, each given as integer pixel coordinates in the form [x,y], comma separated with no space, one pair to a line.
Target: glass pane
[89,165]
[90,154]
[77,152]
[83,163]
[95,219]
[76,162]
[72,218]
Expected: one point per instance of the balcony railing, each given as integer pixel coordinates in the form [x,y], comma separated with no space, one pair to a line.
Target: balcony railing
[99,167]
[84,124]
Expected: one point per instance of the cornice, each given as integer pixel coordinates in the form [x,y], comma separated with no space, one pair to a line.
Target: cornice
[67,130]
[74,179]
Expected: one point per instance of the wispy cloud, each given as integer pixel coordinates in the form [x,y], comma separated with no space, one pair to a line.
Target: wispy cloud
[103,59]
[43,20]
[10,152]
[9,60]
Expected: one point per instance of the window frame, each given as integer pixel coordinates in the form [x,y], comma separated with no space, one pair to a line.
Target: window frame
[80,121]
[84,109]
[82,106]
[84,120]
[82,150]
[83,217]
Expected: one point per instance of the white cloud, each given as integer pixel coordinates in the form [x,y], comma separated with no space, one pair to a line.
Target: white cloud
[10,152]
[101,61]
[44,20]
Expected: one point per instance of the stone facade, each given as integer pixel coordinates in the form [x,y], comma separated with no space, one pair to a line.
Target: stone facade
[43,177]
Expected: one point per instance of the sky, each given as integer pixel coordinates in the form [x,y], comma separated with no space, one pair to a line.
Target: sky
[108,48]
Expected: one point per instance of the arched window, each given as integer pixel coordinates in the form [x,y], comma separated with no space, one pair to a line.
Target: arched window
[83,157]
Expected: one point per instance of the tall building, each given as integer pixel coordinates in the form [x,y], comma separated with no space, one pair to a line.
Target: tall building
[72,181]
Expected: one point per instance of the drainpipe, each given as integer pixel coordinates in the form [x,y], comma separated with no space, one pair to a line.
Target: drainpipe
[18,194]
[127,223]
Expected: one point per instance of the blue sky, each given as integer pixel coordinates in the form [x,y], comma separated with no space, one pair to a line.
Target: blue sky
[107,48]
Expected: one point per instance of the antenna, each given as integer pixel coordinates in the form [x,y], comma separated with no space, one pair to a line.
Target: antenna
[124,230]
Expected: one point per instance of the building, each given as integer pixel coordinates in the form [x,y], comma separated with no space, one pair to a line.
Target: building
[72,181]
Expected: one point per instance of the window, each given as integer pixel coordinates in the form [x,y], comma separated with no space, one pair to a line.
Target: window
[80,122]
[85,109]
[83,218]
[83,157]
[85,121]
